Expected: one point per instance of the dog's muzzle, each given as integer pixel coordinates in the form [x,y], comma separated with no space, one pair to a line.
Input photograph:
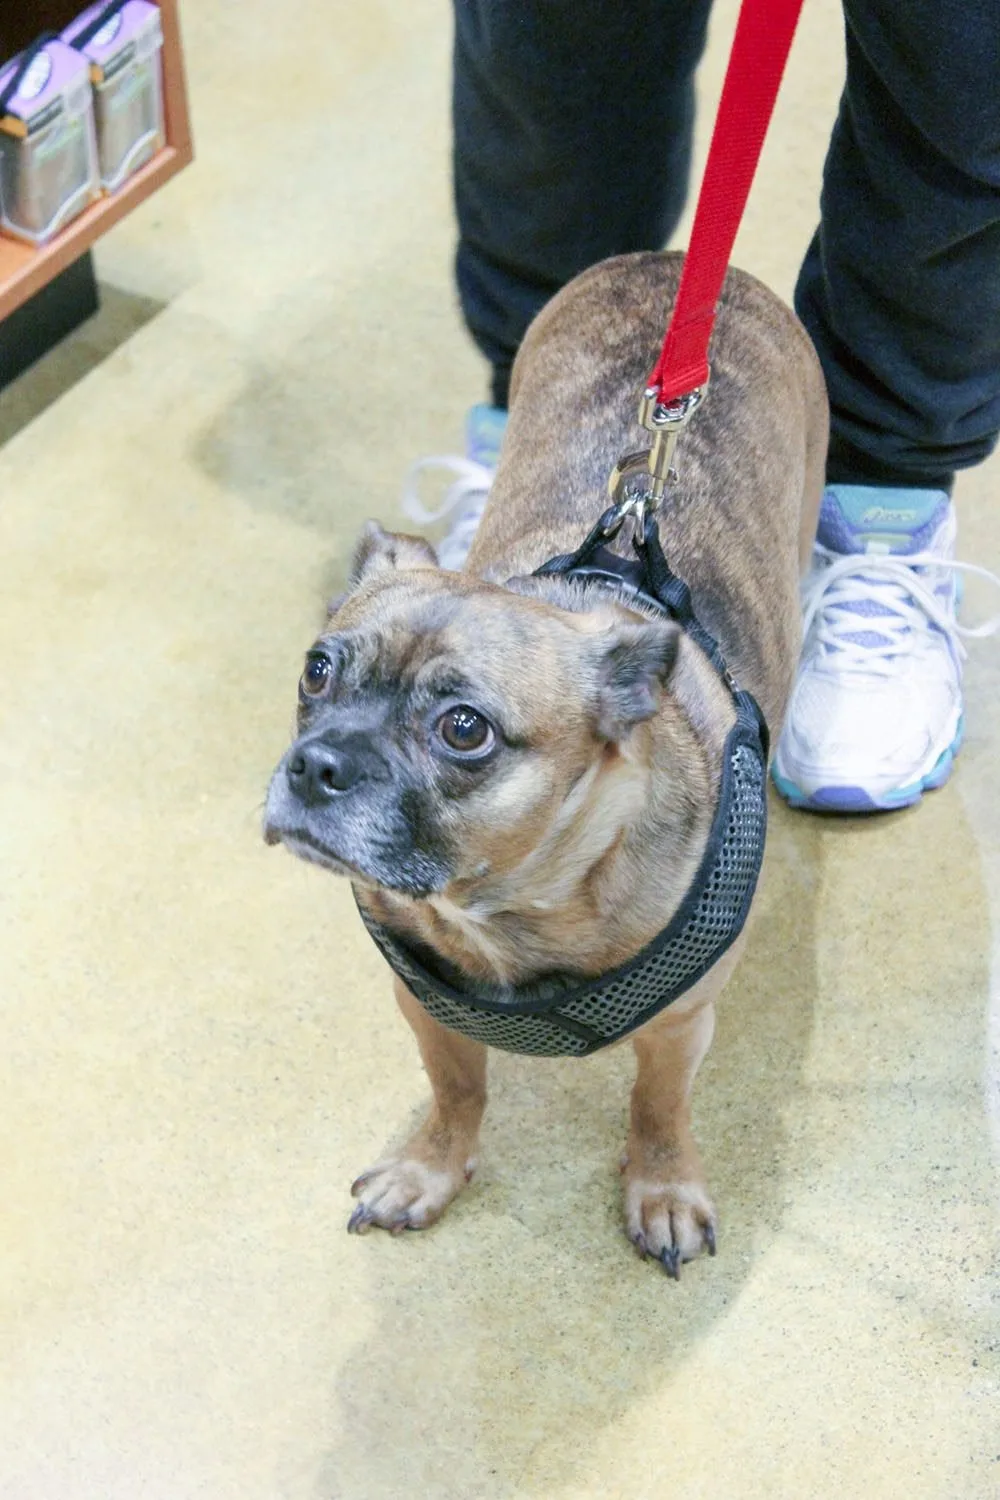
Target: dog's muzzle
[559,1016]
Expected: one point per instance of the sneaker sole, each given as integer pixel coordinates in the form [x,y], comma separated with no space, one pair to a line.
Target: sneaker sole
[854,799]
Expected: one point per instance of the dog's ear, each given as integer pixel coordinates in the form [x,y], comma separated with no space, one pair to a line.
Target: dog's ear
[634,665]
[378,550]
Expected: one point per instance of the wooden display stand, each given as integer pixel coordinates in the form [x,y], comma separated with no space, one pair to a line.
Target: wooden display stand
[26,270]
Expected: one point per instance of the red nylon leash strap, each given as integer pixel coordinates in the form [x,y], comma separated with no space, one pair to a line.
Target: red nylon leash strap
[763,38]
[761,45]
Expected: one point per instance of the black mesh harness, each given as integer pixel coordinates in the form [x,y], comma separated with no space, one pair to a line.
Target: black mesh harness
[565,1016]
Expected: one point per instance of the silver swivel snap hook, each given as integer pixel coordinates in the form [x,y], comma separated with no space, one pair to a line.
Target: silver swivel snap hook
[639,480]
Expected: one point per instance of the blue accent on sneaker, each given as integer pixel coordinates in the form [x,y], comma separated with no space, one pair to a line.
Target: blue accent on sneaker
[936,776]
[902,521]
[843,799]
[854,799]
[484,430]
[862,518]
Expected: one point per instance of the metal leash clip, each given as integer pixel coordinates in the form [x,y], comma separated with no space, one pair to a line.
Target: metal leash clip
[638,480]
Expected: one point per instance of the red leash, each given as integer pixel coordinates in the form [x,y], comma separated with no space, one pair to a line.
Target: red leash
[760,48]
[675,389]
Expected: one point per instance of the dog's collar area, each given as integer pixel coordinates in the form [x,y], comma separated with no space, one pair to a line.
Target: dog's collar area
[564,1016]
[648,577]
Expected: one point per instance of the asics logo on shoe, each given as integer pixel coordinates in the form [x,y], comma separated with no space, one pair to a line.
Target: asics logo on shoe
[879,514]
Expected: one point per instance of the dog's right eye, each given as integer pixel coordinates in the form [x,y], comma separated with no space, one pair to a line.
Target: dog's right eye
[317,674]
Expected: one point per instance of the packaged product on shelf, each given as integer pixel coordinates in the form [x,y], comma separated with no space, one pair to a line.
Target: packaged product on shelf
[122,43]
[48,151]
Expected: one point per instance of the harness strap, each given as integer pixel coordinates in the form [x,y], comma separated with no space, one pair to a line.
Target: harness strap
[561,1015]
[651,574]
[557,1015]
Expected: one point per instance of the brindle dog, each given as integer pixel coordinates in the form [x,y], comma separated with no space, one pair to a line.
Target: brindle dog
[520,773]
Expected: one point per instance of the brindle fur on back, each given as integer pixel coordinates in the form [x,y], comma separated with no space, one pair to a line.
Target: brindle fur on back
[734,526]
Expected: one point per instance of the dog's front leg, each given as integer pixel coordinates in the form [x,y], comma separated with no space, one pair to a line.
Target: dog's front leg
[668,1212]
[412,1189]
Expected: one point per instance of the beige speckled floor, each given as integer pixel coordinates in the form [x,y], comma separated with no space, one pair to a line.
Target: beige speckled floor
[199,1046]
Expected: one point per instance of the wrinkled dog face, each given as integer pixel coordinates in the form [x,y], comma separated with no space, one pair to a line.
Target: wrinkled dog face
[443,721]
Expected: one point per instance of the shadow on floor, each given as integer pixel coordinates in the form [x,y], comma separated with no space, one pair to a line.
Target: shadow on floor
[120,315]
[286,443]
[549,1345]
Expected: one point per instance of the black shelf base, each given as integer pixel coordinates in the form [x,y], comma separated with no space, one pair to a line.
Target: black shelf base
[32,329]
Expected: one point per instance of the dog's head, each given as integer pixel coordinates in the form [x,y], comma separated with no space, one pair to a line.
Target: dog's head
[444,722]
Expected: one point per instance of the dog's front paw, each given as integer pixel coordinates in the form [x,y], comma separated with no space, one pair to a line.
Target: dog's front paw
[405,1194]
[672,1221]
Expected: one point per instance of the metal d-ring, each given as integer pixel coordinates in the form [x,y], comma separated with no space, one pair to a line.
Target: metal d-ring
[631,491]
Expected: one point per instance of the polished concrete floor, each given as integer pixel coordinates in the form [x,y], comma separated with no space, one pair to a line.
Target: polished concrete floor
[199,1044]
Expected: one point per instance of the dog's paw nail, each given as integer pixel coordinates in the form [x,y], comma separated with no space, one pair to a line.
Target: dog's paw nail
[708,1234]
[360,1220]
[359,1183]
[399,1226]
[670,1260]
[639,1241]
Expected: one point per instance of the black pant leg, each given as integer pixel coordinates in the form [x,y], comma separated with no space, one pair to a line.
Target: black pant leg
[900,289]
[572,142]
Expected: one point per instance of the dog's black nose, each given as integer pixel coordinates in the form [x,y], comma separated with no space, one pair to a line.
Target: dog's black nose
[318,771]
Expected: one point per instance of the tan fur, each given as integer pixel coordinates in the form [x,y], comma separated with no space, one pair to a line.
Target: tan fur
[593,870]
[579,854]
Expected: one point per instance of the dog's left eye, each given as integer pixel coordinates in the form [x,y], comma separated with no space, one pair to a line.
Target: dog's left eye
[465,731]
[318,671]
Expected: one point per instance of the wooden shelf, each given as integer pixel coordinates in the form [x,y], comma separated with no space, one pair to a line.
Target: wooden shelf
[25,269]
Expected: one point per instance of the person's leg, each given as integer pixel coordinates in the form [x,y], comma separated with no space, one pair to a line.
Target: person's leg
[572,142]
[900,291]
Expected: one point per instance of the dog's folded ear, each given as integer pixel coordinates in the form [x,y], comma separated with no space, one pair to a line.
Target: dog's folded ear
[378,550]
[634,665]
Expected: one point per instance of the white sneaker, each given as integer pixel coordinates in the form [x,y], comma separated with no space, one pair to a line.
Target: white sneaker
[875,717]
[465,498]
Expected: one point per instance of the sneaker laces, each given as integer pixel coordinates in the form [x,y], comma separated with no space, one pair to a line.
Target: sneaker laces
[835,599]
[465,499]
